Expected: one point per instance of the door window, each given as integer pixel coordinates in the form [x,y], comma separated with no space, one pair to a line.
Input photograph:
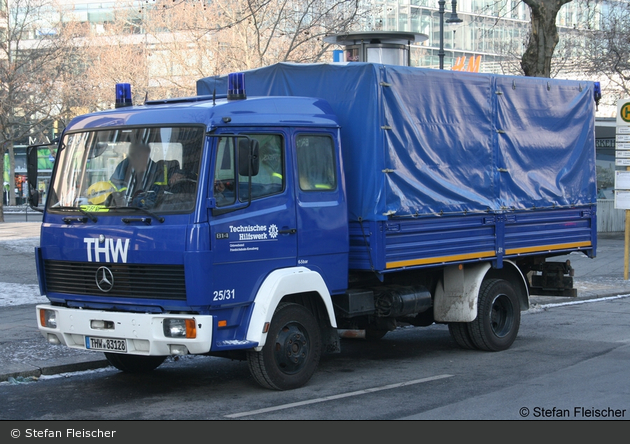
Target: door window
[230,186]
[316,163]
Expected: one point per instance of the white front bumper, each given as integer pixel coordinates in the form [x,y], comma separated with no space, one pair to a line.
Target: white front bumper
[143,332]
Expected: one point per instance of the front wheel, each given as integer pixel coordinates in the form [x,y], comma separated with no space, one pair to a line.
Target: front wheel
[134,363]
[292,350]
[498,316]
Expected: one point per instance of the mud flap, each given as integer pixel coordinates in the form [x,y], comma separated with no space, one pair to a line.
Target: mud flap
[456,295]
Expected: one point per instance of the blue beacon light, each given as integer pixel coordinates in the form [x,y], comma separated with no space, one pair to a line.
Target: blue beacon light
[123,95]
[236,86]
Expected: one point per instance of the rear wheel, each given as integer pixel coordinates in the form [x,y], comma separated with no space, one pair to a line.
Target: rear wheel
[134,363]
[498,316]
[460,333]
[292,350]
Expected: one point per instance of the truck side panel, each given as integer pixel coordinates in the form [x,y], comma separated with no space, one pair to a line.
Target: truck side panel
[551,231]
[422,242]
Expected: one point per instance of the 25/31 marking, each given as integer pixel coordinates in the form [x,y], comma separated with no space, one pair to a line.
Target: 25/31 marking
[223,295]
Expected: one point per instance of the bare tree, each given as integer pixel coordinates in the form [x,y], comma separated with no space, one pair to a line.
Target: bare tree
[533,55]
[489,18]
[285,30]
[182,45]
[31,51]
[164,47]
[115,53]
[543,37]
[253,33]
[607,52]
[53,71]
[188,40]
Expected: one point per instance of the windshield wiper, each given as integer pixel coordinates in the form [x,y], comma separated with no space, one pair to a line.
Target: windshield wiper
[79,209]
[144,210]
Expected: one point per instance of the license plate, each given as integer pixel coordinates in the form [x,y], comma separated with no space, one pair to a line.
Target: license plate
[108,344]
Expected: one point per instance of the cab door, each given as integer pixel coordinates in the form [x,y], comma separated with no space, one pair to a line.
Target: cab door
[322,217]
[253,222]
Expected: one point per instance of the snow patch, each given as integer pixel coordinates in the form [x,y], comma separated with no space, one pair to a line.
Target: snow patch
[20,294]
[26,245]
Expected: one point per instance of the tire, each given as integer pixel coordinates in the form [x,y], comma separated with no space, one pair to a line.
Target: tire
[292,351]
[460,333]
[134,363]
[498,316]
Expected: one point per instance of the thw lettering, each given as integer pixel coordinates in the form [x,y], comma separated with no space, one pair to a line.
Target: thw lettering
[109,251]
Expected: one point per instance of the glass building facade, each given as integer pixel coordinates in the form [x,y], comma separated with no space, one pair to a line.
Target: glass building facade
[496,30]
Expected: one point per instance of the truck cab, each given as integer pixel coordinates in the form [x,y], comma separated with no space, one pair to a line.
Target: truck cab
[237,205]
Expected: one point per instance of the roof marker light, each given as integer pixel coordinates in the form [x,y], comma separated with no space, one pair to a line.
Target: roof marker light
[123,95]
[236,86]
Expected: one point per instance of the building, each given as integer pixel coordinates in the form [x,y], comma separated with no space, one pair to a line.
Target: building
[494,31]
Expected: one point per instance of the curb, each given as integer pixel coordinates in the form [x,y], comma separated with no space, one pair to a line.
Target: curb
[55,370]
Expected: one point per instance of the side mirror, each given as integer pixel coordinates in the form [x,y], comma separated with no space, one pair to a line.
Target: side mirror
[248,160]
[31,175]
[33,197]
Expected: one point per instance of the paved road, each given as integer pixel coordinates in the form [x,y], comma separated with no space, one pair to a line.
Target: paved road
[566,357]
[25,353]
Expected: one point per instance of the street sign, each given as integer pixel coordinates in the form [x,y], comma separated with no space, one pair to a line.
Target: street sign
[622,155]
[622,178]
[622,197]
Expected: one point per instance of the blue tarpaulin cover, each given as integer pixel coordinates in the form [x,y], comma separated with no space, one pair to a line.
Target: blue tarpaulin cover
[420,142]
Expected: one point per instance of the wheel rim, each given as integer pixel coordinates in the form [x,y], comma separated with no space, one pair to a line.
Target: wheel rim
[502,315]
[292,348]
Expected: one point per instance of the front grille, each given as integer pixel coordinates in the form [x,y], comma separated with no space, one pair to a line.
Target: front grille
[129,280]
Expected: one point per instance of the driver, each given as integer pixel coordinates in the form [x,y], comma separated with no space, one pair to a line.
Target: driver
[138,177]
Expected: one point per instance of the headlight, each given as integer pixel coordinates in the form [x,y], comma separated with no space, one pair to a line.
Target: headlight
[48,318]
[180,328]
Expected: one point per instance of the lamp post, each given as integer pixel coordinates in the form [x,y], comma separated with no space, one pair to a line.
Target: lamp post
[452,19]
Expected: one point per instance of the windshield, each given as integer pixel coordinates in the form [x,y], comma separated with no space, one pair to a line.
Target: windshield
[154,168]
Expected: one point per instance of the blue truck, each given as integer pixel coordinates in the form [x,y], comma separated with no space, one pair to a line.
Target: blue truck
[285,208]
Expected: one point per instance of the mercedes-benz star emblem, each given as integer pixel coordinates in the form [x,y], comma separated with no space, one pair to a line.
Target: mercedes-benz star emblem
[104,279]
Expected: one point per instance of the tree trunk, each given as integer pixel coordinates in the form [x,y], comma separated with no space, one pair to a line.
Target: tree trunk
[543,37]
[12,195]
[2,175]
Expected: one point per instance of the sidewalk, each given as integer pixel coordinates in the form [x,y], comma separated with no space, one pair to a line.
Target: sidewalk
[24,353]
